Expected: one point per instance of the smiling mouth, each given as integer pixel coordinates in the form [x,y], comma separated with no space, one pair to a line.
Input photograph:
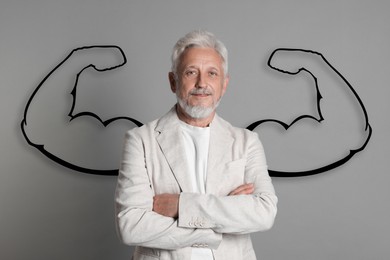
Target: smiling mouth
[201,95]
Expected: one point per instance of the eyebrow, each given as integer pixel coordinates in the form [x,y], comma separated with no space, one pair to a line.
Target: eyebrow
[196,67]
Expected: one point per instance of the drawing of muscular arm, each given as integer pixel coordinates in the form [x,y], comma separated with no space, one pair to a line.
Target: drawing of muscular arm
[314,144]
[82,141]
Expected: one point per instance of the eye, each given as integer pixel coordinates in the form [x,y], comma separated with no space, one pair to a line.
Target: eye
[213,74]
[190,73]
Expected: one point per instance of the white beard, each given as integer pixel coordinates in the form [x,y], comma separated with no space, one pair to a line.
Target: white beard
[196,112]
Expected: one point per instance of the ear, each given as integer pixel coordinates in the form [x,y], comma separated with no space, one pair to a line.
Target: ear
[225,84]
[172,81]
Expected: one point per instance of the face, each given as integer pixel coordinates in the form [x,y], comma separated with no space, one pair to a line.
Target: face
[200,81]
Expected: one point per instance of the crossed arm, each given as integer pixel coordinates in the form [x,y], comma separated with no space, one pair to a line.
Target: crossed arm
[172,221]
[168,204]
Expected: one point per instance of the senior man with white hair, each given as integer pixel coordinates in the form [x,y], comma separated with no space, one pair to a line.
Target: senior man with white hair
[191,186]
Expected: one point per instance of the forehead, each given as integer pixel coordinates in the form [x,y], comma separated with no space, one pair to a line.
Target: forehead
[196,56]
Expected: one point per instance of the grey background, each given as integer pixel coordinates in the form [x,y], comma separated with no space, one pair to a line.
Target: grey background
[50,212]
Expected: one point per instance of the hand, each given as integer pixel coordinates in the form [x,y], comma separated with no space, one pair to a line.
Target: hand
[244,189]
[166,205]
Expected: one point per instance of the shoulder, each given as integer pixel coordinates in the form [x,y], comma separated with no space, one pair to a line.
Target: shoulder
[143,130]
[234,131]
[245,141]
[166,122]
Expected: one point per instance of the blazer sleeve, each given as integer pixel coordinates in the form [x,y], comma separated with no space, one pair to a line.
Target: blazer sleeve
[136,223]
[238,214]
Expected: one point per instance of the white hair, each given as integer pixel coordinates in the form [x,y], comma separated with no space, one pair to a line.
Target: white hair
[202,39]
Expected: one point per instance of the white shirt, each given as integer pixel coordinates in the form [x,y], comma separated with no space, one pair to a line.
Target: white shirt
[196,140]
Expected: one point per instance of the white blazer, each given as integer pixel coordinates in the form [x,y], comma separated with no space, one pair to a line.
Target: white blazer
[154,162]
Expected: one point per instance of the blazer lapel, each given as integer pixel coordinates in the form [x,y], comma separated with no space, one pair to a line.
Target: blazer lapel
[172,146]
[219,154]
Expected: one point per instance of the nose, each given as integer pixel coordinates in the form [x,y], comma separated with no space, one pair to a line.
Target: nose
[201,81]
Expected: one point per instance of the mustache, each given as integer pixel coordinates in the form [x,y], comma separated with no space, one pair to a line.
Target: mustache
[201,91]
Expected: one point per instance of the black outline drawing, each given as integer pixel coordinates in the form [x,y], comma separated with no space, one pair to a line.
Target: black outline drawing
[330,166]
[41,147]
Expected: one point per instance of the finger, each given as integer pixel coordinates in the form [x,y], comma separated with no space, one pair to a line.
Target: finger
[246,191]
[242,189]
[238,189]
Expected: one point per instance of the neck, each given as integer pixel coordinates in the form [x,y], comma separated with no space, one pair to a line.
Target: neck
[199,122]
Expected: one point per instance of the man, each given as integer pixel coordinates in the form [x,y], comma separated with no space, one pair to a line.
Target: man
[190,185]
